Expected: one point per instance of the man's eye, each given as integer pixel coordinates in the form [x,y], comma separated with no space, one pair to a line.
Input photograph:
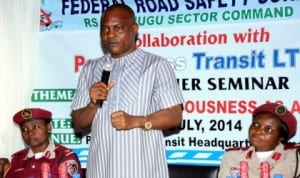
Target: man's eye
[104,30]
[24,129]
[119,28]
[268,129]
[254,124]
[36,126]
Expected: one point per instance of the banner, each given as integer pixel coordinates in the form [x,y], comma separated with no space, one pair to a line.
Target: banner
[229,57]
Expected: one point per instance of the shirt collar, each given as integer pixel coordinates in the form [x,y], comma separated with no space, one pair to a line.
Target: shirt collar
[137,54]
[48,153]
[276,152]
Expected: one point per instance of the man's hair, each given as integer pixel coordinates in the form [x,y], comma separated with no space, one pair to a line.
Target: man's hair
[124,7]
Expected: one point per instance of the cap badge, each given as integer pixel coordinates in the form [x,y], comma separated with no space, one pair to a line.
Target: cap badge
[27,114]
[280,110]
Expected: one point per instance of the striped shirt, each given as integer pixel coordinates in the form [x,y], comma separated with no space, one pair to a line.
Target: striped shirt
[143,83]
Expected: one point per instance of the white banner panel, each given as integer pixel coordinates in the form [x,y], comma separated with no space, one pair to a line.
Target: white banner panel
[229,57]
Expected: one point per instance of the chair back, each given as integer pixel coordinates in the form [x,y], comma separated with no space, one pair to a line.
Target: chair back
[4,165]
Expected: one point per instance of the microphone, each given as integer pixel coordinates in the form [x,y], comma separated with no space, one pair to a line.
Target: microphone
[107,68]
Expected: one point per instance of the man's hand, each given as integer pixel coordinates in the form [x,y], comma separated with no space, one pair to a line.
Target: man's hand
[99,91]
[122,121]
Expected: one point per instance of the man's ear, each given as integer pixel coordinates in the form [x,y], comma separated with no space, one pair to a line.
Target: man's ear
[281,139]
[135,28]
[49,128]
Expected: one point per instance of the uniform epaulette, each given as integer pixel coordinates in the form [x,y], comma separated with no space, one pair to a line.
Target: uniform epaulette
[20,152]
[291,145]
[237,148]
[64,150]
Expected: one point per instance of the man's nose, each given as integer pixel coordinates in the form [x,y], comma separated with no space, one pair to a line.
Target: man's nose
[30,131]
[111,32]
[260,130]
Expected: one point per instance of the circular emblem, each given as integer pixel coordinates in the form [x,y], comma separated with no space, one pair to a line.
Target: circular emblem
[280,110]
[72,166]
[27,114]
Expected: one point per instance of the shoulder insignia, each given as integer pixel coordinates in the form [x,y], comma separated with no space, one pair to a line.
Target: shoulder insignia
[21,152]
[291,145]
[69,153]
[237,149]
[72,166]
[63,150]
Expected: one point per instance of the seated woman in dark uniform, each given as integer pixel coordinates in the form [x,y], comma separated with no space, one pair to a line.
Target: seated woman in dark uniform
[42,155]
[270,154]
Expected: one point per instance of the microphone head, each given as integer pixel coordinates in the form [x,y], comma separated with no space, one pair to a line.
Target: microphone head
[107,66]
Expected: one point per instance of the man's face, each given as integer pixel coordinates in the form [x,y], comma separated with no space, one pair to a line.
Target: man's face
[118,33]
[35,134]
[264,132]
